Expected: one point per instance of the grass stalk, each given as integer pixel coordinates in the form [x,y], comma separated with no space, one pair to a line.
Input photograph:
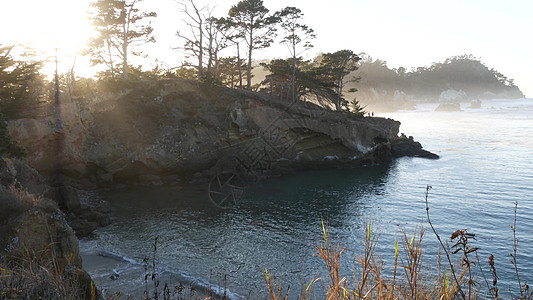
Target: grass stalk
[442,244]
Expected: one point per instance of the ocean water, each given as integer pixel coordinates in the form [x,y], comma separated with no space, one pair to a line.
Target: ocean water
[486,166]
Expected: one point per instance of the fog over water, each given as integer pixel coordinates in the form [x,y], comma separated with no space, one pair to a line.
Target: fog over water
[485,166]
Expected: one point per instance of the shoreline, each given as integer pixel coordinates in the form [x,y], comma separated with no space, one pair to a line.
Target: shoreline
[114,274]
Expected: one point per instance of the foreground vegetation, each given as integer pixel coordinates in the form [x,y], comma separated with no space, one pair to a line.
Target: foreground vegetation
[39,258]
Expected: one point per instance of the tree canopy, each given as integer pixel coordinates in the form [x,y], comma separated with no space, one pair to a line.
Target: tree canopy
[331,79]
[320,81]
[295,34]
[335,68]
[21,83]
[120,25]
[257,27]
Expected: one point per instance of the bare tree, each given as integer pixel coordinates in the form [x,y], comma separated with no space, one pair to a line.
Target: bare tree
[206,38]
[195,24]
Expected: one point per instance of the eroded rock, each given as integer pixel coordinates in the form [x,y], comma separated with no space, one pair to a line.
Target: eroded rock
[66,197]
[38,249]
[130,138]
[448,107]
[401,147]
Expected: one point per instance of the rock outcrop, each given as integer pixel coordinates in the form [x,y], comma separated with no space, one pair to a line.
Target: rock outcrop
[39,253]
[160,131]
[475,104]
[453,96]
[449,107]
[82,217]
[409,147]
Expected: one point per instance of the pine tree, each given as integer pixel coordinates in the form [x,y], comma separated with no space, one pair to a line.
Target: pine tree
[121,26]
[21,84]
[7,146]
[335,67]
[251,18]
[296,33]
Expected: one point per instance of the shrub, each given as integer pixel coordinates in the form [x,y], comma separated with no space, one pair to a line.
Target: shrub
[7,146]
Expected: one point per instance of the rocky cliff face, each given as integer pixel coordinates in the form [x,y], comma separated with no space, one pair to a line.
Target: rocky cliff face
[161,131]
[39,253]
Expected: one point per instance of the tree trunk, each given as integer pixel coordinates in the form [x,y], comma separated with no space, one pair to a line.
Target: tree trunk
[125,61]
[216,74]
[293,78]
[201,49]
[210,53]
[249,73]
[240,65]
[125,52]
[111,60]
[338,105]
[72,79]
[340,86]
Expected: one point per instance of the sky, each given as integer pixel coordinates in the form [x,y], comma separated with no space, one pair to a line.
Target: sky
[409,33]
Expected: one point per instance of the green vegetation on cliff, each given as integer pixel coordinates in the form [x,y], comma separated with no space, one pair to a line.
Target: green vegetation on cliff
[7,145]
[21,82]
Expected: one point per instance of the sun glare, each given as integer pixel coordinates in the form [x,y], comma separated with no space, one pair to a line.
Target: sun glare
[47,26]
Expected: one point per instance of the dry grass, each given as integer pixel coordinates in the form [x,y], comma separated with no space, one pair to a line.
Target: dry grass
[410,280]
[411,277]
[30,268]
[36,276]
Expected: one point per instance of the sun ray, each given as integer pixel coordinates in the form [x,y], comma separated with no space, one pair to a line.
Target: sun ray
[47,26]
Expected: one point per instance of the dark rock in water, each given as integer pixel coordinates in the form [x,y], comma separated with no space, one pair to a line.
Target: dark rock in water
[83,219]
[89,218]
[475,104]
[66,197]
[114,276]
[95,216]
[409,147]
[81,227]
[103,207]
[449,107]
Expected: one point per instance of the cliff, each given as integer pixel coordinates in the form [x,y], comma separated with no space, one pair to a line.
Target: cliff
[39,253]
[161,131]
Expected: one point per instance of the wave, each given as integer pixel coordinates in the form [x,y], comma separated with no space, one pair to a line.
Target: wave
[89,247]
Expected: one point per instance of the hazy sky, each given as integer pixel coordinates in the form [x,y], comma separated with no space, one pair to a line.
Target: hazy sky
[407,33]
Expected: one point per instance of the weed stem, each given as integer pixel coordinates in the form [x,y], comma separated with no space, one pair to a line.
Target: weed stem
[442,244]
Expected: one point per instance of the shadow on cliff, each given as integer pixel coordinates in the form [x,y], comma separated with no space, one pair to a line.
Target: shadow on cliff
[156,132]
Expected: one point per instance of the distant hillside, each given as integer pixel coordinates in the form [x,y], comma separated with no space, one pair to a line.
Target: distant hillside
[458,78]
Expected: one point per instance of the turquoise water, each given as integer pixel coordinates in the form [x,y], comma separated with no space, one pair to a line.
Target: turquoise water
[486,165]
